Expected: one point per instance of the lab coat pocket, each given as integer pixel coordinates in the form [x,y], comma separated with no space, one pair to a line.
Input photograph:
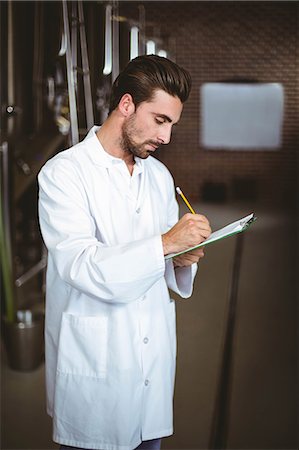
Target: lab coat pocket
[83,345]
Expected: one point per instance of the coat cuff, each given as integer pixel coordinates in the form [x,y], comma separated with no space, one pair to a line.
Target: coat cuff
[180,279]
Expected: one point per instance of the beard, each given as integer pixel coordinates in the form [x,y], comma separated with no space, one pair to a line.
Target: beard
[129,145]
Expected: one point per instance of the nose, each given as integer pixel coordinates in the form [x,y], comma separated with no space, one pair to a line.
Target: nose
[165,135]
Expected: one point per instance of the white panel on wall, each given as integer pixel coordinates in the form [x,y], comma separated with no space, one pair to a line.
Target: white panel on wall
[241,116]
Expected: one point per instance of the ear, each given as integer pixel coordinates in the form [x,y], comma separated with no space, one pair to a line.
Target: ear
[126,105]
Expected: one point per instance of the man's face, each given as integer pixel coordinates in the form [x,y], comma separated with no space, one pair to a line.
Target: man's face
[150,124]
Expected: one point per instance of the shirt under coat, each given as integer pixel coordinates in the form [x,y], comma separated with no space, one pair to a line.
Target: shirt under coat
[110,328]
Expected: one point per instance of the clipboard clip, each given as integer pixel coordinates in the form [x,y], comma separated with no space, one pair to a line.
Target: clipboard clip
[247,224]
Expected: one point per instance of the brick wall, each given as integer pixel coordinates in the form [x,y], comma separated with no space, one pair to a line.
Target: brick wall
[223,40]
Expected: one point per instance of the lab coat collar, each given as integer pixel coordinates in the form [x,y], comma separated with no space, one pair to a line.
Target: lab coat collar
[99,155]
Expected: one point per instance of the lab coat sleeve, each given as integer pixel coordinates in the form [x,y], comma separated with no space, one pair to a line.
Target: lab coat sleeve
[180,279]
[119,273]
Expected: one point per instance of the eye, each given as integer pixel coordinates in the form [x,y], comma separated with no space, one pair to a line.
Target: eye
[159,120]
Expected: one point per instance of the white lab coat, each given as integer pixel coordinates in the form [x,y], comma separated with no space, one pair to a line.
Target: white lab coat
[110,322]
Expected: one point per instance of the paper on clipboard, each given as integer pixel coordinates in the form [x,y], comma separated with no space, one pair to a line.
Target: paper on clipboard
[229,230]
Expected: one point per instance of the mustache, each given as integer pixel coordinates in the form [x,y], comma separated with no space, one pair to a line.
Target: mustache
[154,143]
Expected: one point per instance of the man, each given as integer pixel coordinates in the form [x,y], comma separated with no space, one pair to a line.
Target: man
[108,215]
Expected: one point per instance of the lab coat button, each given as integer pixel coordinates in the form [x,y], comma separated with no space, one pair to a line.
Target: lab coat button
[146,382]
[138,210]
[145,340]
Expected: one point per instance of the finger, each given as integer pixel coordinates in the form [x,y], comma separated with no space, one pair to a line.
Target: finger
[186,259]
[199,226]
[196,217]
[205,225]
[205,232]
[197,252]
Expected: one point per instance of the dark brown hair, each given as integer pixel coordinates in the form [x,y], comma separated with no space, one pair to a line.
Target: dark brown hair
[144,75]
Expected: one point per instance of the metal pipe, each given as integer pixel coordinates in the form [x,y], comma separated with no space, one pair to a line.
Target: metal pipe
[141,9]
[115,42]
[85,67]
[5,200]
[74,25]
[10,69]
[70,78]
[108,41]
[220,420]
[5,242]
[38,65]
[31,272]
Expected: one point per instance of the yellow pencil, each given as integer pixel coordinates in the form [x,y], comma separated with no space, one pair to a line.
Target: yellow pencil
[179,191]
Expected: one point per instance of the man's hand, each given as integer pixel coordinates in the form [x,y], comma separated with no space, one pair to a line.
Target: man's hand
[190,230]
[187,259]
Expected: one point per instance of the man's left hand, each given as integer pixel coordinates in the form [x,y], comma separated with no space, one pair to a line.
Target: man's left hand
[187,259]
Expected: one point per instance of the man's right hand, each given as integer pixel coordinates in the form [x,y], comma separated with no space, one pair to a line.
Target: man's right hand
[190,230]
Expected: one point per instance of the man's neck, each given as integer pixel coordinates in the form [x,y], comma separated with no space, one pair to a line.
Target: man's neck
[109,136]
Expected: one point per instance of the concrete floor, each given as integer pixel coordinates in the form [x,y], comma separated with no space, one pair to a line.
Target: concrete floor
[262,390]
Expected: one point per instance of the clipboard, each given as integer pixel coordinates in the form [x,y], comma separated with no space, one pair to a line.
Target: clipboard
[229,230]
